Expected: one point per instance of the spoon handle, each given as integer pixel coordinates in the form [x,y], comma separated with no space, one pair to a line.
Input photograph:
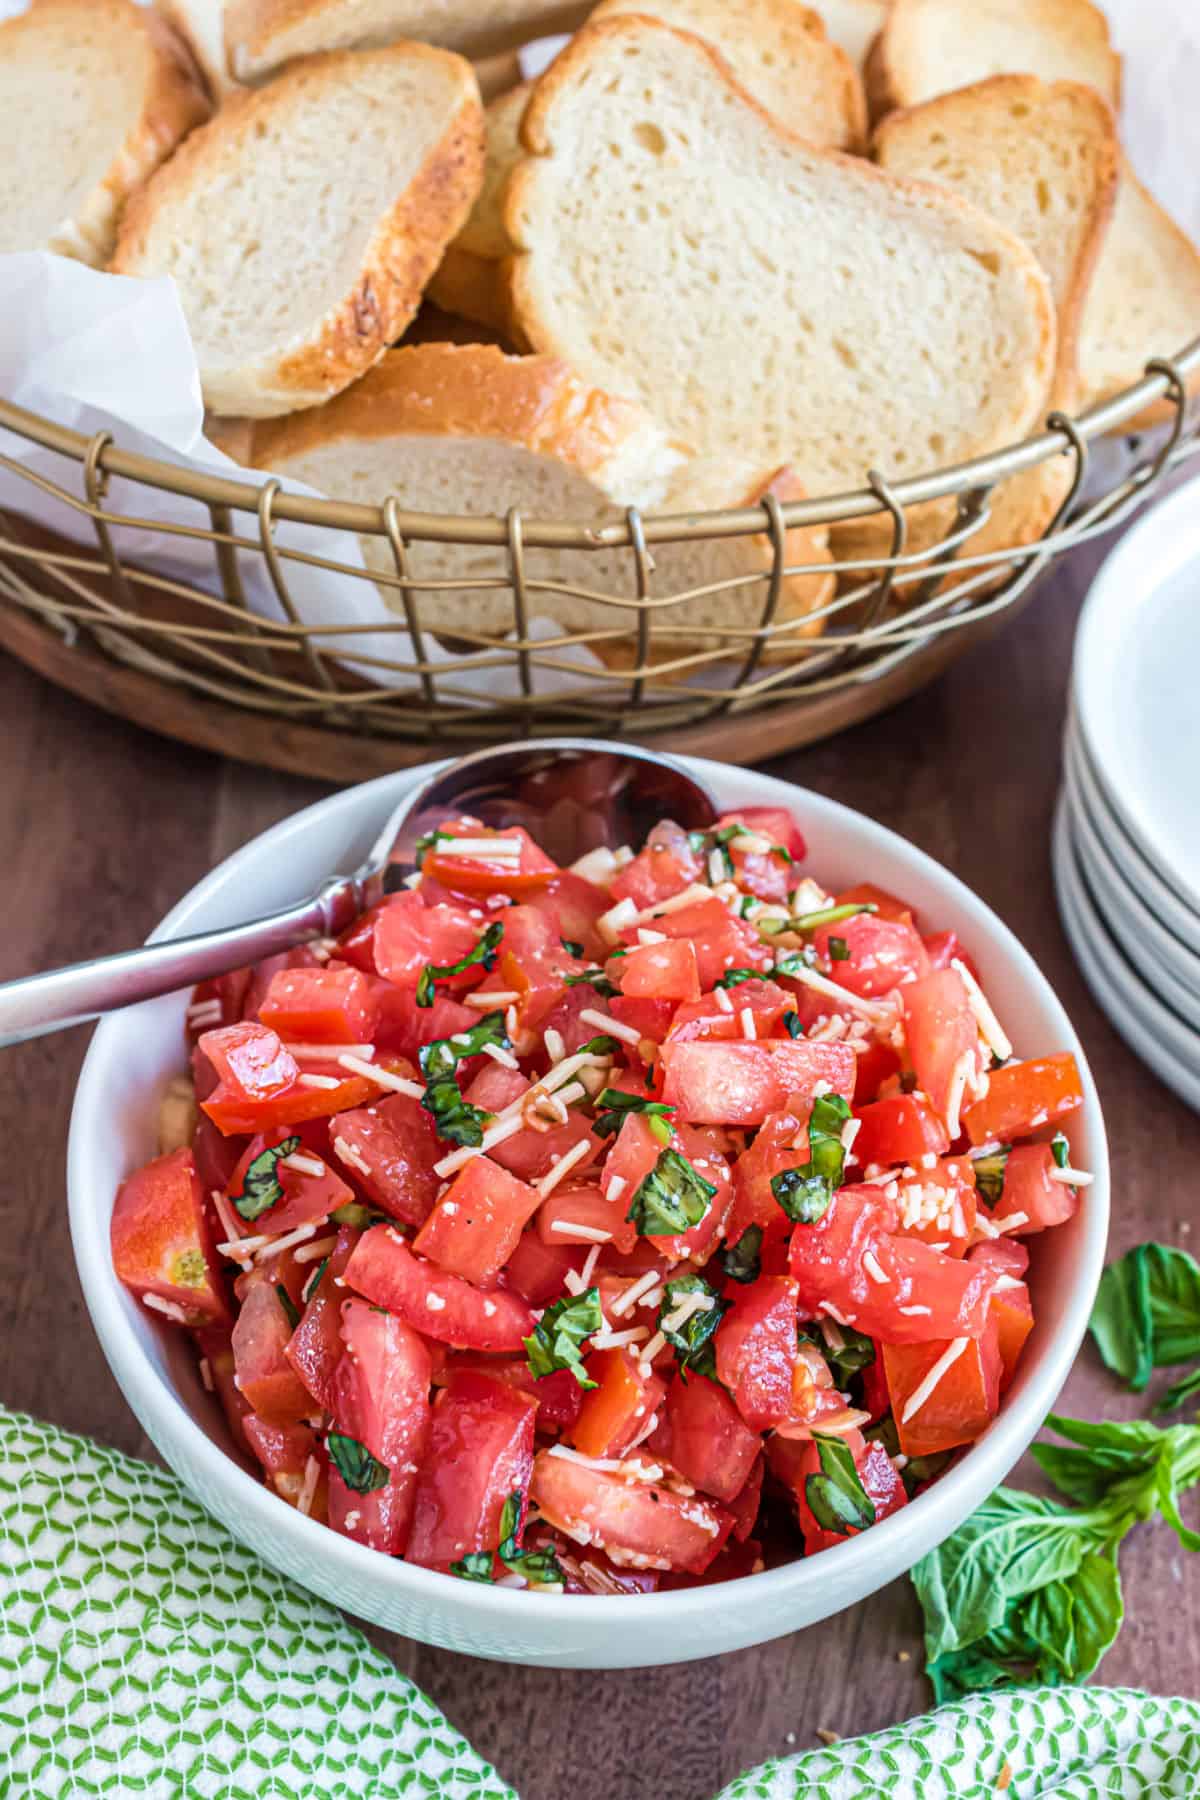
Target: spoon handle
[37,1004]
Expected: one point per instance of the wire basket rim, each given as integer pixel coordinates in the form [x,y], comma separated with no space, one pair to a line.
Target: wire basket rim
[1163,376]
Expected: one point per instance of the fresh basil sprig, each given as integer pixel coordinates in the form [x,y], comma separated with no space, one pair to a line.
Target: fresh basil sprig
[355,1464]
[598,1046]
[483,954]
[614,1106]
[692,1342]
[261,1186]
[556,1340]
[671,1198]
[541,1568]
[743,1261]
[1147,1316]
[989,1174]
[443,1055]
[593,978]
[805,1192]
[836,1497]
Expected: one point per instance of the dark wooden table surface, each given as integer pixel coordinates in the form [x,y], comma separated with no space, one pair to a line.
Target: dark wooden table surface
[102,827]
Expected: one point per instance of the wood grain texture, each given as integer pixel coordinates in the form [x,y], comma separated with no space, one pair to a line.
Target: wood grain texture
[102,827]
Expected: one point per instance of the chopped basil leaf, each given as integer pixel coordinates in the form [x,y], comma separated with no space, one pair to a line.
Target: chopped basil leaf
[734,977]
[1060,1150]
[426,843]
[483,954]
[559,1333]
[836,1497]
[782,850]
[796,963]
[540,1567]
[839,950]
[288,1304]
[989,1174]
[443,1055]
[826,915]
[317,1279]
[598,1046]
[856,1354]
[805,1192]
[572,948]
[671,1198]
[614,1107]
[742,1261]
[454,1118]
[476,1565]
[692,1342]
[356,1215]
[355,1464]
[593,978]
[261,1186]
[792,1025]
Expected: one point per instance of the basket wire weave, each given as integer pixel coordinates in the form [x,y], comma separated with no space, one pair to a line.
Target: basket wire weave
[886,609]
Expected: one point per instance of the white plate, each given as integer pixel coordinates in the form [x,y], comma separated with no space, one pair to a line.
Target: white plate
[1151,1030]
[1171,968]
[1135,686]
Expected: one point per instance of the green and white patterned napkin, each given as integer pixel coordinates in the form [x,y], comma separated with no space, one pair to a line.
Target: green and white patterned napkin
[143,1651]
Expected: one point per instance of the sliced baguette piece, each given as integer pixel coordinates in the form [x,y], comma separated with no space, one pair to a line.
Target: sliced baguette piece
[467,429]
[201,25]
[854,24]
[262,35]
[302,224]
[780,52]
[472,279]
[97,93]
[930,47]
[1143,302]
[1040,157]
[801,305]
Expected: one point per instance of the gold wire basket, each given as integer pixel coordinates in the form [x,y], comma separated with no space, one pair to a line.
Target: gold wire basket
[191,659]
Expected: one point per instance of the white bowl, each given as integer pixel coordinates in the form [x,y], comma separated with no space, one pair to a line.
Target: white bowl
[112,1132]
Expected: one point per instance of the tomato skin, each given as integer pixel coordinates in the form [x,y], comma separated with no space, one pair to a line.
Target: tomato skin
[659,971]
[651,1017]
[900,1129]
[756,1350]
[384,1270]
[381,1387]
[323,1006]
[1030,1188]
[480,1451]
[637,1523]
[478,875]
[380,1519]
[249,1060]
[473,1229]
[261,1334]
[1023,1096]
[882,953]
[573,906]
[162,1241]
[963,1403]
[773,822]
[315,1347]
[721,942]
[389,1150]
[710,1443]
[944,949]
[619,1407]
[307,1199]
[886,905]
[666,866]
[941,1029]
[772,1151]
[537,1269]
[740,1083]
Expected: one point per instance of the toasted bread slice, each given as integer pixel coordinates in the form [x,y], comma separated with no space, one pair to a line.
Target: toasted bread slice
[854,25]
[96,94]
[302,224]
[466,429]
[1041,158]
[779,51]
[752,291]
[262,35]
[472,279]
[930,47]
[1144,300]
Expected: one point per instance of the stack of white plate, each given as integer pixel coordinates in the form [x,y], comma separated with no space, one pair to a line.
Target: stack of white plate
[1127,833]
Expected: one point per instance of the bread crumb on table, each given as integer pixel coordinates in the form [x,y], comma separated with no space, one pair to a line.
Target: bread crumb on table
[828,1737]
[904,1656]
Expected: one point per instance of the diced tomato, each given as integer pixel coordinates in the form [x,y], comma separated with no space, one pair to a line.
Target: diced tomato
[773,1149]
[942,1033]
[315,1347]
[381,1388]
[666,866]
[390,1149]
[263,973]
[306,1199]
[720,941]
[474,1227]
[665,971]
[1005,1255]
[381,1518]
[652,1018]
[559,1400]
[261,1333]
[746,1503]
[1031,1188]
[635,1154]
[216,1155]
[756,1349]
[768,873]
[636,1523]
[229,994]
[573,905]
[766,1000]
[283,1451]
[1012,1310]
[901,1129]
[324,1006]
[162,1242]
[740,1083]
[876,1064]
[944,949]
[710,1443]
[403,1026]
[442,1306]
[214,1345]
[946,1197]
[531,1154]
[537,1270]
[249,1060]
[962,1403]
[795,1462]
[490,874]
[408,935]
[480,1452]
[886,905]
[1023,1096]
[619,1407]
[773,822]
[589,1207]
[534,963]
[260,1083]
[880,954]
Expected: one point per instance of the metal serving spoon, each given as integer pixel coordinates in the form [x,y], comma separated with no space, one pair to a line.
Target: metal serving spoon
[572,794]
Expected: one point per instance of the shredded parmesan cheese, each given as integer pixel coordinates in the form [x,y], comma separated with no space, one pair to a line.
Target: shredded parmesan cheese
[303,1165]
[1070,1177]
[629,1299]
[874,1269]
[746,1020]
[167,1308]
[551,1179]
[491,999]
[990,1029]
[580,1234]
[314,1252]
[348,1154]
[924,1389]
[611,1027]
[485,848]
[318,1081]
[724,1003]
[383,1078]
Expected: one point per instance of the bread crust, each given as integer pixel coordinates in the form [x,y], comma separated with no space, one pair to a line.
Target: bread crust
[174,101]
[403,251]
[889,86]
[473,278]
[262,35]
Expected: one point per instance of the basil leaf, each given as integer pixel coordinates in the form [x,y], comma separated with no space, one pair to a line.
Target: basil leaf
[742,1261]
[357,1216]
[805,1193]
[792,1025]
[804,1196]
[989,1174]
[671,1198]
[475,1566]
[484,953]
[783,851]
[572,948]
[1180,1393]
[288,1304]
[839,950]
[836,1497]
[541,1567]
[1147,1312]
[796,962]
[559,1333]
[261,1186]
[454,1118]
[735,977]
[598,1046]
[692,1342]
[426,843]
[594,978]
[615,1107]
[443,1055]
[355,1464]
[856,1353]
